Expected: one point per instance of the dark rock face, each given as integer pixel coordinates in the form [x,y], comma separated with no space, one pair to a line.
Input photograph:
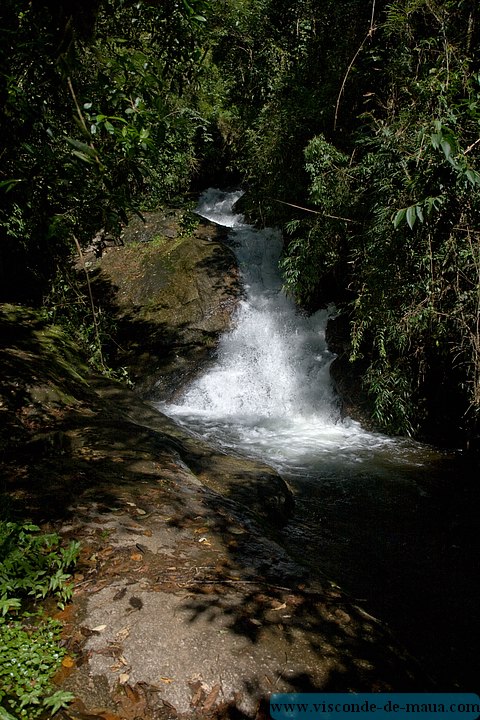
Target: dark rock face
[347,376]
[172,293]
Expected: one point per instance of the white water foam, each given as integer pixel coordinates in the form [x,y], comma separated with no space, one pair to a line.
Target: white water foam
[269,393]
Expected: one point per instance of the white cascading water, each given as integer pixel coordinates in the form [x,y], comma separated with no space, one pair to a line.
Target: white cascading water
[269,393]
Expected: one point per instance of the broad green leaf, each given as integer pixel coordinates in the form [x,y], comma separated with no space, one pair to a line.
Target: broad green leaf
[7,604]
[8,184]
[399,218]
[83,148]
[188,7]
[411,216]
[447,148]
[82,156]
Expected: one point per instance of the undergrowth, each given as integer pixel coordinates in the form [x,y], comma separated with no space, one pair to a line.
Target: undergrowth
[93,329]
[33,566]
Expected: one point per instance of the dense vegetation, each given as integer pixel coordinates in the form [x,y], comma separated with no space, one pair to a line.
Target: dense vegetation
[32,567]
[366,115]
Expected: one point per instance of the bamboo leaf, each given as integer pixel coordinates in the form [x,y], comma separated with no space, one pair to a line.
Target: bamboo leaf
[82,156]
[473,177]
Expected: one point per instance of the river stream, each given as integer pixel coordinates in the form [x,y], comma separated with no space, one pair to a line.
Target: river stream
[391,520]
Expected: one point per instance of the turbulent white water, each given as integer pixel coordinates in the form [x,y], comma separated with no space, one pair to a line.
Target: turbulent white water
[269,393]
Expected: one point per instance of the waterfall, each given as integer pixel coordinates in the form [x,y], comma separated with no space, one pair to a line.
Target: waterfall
[372,512]
[269,393]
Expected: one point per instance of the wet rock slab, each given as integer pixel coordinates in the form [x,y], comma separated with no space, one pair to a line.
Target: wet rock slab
[184,606]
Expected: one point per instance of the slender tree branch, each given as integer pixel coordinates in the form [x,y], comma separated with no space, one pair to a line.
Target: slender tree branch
[92,304]
[80,114]
[372,18]
[316,212]
[470,147]
[371,30]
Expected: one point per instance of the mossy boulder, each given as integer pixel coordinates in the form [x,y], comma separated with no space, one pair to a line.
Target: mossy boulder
[172,288]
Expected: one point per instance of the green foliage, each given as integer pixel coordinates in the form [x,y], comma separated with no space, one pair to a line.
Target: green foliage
[391,389]
[67,305]
[316,246]
[33,565]
[397,216]
[29,655]
[416,269]
[98,113]
[281,63]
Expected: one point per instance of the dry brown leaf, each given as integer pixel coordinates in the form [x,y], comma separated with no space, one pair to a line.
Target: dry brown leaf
[123,633]
[132,694]
[211,698]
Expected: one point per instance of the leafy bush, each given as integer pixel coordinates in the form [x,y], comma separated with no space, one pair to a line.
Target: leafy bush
[33,566]
[29,655]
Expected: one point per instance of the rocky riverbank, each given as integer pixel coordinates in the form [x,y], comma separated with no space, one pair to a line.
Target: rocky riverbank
[185,601]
